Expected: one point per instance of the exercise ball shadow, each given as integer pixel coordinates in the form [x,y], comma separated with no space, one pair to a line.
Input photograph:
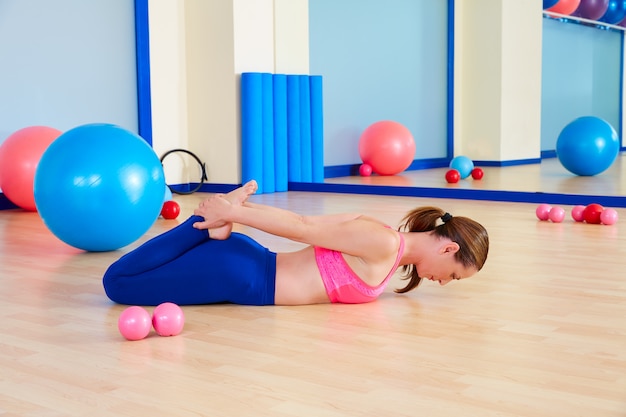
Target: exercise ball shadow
[99,187]
[587,146]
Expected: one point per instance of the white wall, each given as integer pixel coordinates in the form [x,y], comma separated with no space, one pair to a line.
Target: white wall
[169,80]
[291,36]
[498,79]
[522,23]
[198,49]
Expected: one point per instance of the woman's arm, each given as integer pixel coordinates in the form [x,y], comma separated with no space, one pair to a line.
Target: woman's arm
[350,233]
[323,219]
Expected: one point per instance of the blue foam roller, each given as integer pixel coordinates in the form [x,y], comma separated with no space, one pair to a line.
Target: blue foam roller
[293,129]
[306,147]
[317,128]
[252,128]
[280,132]
[269,181]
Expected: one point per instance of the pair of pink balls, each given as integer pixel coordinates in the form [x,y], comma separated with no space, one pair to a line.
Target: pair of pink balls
[547,212]
[135,322]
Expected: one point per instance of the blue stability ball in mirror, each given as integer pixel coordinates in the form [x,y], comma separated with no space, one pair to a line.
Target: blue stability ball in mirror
[99,187]
[587,146]
[615,13]
[463,164]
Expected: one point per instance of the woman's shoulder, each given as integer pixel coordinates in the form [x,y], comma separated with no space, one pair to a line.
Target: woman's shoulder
[385,240]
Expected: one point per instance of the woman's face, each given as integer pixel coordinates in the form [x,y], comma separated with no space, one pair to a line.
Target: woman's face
[443,267]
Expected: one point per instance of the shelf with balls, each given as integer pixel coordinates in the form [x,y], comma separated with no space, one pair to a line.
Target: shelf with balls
[601,14]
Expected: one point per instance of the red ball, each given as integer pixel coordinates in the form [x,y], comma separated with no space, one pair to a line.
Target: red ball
[592,213]
[477,173]
[170,210]
[453,176]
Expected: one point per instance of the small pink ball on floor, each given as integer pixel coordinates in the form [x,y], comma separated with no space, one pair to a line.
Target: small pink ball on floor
[168,319]
[577,213]
[556,214]
[609,216]
[134,323]
[543,211]
[365,170]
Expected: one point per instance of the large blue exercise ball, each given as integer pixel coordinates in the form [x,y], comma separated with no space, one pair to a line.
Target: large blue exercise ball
[615,13]
[99,187]
[587,146]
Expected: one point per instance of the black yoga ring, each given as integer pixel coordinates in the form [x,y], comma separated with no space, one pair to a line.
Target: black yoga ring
[202,167]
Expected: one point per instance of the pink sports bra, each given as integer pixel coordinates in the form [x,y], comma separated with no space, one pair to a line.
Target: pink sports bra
[342,284]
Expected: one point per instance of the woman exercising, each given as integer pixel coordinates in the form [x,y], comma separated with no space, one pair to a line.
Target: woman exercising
[349,258]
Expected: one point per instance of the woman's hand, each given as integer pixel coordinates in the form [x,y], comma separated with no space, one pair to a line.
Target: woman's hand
[214,210]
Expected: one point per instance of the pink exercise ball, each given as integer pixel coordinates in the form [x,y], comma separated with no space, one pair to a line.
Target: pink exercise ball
[168,319]
[609,216]
[19,156]
[556,214]
[565,7]
[543,211]
[134,323]
[577,213]
[387,146]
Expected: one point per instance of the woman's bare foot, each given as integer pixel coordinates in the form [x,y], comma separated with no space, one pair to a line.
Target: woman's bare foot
[221,232]
[237,196]
[240,195]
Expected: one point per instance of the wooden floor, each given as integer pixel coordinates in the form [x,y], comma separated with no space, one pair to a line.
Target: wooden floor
[541,331]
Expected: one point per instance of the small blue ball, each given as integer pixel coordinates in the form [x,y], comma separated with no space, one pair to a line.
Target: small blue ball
[99,187]
[587,146]
[462,164]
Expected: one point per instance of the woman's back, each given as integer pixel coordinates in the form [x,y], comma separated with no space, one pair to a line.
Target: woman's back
[299,280]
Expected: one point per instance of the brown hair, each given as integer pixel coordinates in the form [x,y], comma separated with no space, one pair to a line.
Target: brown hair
[470,235]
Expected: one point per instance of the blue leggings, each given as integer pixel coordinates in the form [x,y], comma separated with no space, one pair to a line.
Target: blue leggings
[185,266]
